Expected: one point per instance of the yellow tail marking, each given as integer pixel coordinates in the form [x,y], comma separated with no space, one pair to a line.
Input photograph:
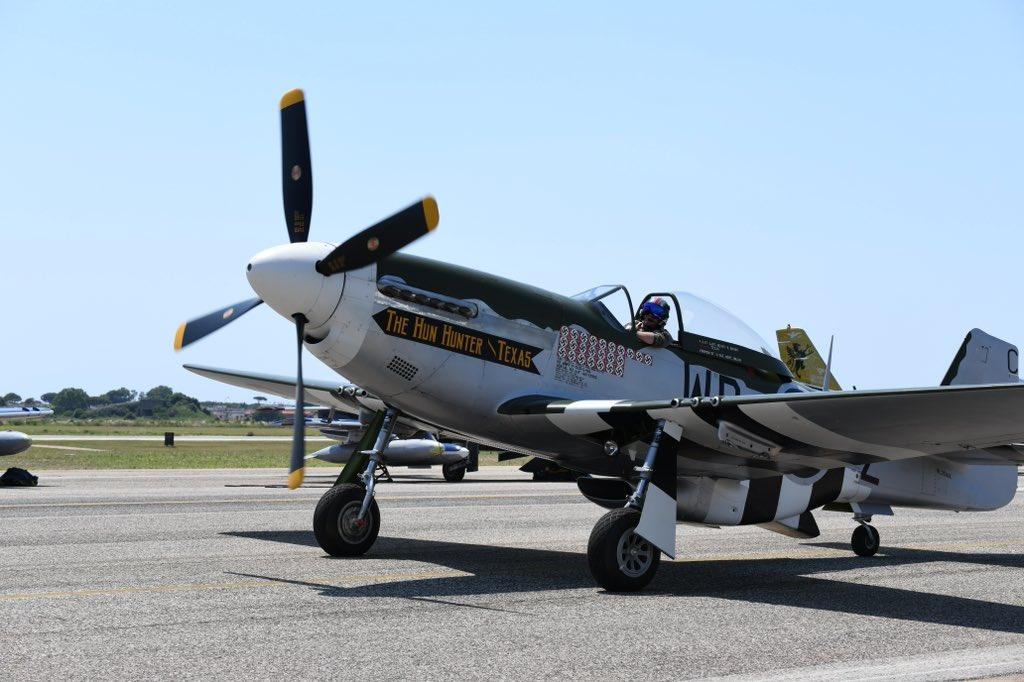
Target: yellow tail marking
[802,358]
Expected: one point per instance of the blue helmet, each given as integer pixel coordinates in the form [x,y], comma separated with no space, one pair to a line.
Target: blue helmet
[657,307]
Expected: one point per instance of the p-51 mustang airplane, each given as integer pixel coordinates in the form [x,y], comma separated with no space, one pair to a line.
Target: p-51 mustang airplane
[712,429]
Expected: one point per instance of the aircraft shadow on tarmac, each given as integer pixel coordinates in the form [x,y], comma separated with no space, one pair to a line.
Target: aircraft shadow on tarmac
[777,582]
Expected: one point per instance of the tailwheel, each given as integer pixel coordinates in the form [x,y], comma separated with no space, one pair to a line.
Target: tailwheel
[454,472]
[336,524]
[865,540]
[620,560]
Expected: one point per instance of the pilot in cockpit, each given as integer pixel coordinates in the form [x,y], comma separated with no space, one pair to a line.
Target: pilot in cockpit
[650,323]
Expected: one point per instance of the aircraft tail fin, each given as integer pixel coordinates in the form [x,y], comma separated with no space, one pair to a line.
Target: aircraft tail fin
[983,359]
[803,359]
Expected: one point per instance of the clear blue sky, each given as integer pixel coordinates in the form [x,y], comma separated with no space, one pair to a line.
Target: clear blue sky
[856,170]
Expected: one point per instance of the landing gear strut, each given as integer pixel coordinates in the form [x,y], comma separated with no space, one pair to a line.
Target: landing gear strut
[347,519]
[620,559]
[865,540]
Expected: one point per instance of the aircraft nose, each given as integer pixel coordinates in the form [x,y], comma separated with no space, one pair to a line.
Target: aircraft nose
[285,277]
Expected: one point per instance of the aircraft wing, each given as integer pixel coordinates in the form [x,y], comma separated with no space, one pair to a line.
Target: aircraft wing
[346,397]
[333,394]
[24,413]
[960,423]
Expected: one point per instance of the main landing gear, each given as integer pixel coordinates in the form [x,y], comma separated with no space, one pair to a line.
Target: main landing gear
[620,559]
[337,527]
[347,519]
[865,540]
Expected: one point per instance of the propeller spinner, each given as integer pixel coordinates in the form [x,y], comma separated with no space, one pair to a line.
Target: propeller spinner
[365,248]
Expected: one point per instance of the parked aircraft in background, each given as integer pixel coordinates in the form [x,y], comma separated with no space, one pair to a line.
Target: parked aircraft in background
[13,442]
[414,445]
[712,429]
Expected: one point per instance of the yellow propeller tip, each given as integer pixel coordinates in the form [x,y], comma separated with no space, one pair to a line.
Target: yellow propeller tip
[179,336]
[292,97]
[295,478]
[430,213]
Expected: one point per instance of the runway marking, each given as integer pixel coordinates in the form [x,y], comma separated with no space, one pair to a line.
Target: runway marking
[67,447]
[273,500]
[344,582]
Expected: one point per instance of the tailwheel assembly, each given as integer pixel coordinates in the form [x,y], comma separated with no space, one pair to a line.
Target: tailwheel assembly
[865,540]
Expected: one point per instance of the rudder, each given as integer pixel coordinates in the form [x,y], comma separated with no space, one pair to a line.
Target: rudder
[803,359]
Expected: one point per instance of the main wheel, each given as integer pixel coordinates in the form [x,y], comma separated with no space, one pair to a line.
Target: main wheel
[453,472]
[620,560]
[865,540]
[336,525]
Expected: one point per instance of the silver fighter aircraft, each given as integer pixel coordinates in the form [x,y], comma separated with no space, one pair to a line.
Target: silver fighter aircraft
[712,428]
[14,442]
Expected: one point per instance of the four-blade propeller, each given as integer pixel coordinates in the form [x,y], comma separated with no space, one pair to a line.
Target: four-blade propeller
[365,248]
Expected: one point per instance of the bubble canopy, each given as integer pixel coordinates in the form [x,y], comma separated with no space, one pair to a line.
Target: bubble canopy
[700,316]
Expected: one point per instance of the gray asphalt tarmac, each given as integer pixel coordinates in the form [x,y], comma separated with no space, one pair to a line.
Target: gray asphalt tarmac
[215,574]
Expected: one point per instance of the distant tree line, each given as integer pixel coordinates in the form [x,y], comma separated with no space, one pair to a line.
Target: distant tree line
[159,402]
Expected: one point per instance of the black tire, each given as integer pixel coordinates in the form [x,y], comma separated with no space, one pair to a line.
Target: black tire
[620,560]
[334,521]
[453,472]
[865,540]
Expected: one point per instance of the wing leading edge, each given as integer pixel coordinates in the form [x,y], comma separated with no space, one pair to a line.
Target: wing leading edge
[955,422]
[333,394]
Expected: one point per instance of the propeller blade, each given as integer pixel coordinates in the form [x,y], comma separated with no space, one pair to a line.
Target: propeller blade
[193,330]
[296,467]
[296,171]
[383,239]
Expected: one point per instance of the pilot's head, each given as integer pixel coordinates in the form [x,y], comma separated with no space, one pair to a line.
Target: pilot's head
[654,314]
